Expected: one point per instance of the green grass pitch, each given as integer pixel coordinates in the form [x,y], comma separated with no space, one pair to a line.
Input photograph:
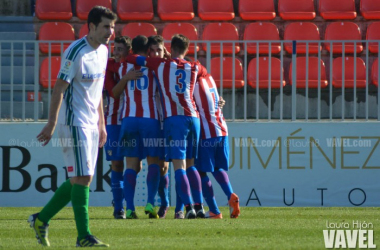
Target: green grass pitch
[256,228]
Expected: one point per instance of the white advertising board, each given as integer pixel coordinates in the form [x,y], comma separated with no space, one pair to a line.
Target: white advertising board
[271,164]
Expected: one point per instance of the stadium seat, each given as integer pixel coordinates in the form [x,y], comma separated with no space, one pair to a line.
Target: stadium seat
[373,33]
[375,72]
[227,72]
[250,10]
[302,31]
[370,9]
[312,74]
[296,9]
[216,10]
[349,72]
[186,29]
[129,10]
[170,10]
[134,29]
[264,73]
[44,71]
[343,31]
[337,9]
[83,7]
[53,10]
[221,32]
[262,31]
[48,32]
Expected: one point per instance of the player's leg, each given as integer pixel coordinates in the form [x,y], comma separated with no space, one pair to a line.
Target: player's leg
[117,168]
[131,149]
[175,131]
[163,188]
[117,186]
[221,176]
[208,193]
[130,177]
[86,142]
[178,212]
[205,163]
[62,196]
[191,171]
[150,131]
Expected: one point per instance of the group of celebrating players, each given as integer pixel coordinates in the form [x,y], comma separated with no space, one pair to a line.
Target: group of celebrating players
[160,107]
[165,108]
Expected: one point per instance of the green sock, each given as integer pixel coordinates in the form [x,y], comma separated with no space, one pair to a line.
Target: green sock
[59,200]
[79,199]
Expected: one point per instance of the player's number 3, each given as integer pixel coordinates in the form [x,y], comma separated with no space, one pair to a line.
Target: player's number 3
[181,83]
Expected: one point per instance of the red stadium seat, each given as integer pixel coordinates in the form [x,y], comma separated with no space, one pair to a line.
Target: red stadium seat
[349,73]
[227,72]
[343,31]
[134,29]
[296,9]
[337,9]
[133,10]
[44,71]
[373,33]
[216,10]
[375,72]
[276,73]
[262,31]
[53,10]
[370,9]
[256,10]
[170,10]
[48,32]
[221,32]
[83,7]
[312,74]
[186,29]
[302,31]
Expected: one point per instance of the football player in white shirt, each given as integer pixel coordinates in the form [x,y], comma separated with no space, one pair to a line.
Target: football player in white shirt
[77,111]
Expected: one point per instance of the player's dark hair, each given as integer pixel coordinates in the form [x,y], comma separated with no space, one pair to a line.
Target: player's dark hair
[95,15]
[140,44]
[180,43]
[125,40]
[155,40]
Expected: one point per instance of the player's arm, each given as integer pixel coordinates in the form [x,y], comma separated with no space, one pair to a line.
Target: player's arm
[56,101]
[202,71]
[118,89]
[101,125]
[148,62]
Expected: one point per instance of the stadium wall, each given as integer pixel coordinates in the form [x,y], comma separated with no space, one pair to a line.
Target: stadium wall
[271,164]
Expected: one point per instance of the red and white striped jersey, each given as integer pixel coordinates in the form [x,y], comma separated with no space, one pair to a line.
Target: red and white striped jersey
[114,105]
[176,80]
[211,116]
[140,94]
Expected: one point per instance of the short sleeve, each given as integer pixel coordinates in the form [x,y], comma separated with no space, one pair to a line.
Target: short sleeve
[202,71]
[69,66]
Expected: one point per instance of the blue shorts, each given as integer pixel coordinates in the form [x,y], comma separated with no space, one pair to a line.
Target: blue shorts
[181,137]
[112,143]
[213,154]
[140,137]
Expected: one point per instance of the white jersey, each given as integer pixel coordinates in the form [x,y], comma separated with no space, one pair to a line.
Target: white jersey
[83,67]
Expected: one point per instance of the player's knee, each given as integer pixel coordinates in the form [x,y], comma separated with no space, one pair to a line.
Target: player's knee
[117,166]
